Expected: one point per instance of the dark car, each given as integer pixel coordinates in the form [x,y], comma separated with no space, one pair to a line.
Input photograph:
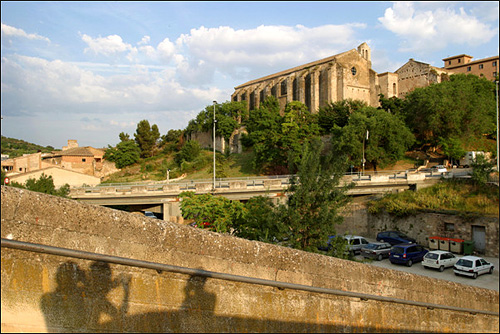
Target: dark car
[407,254]
[376,250]
[394,237]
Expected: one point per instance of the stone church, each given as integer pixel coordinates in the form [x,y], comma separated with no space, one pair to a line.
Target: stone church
[348,75]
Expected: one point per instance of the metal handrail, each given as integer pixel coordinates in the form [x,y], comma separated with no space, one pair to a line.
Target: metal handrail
[32,247]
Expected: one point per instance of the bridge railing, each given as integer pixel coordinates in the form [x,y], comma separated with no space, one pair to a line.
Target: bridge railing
[200,185]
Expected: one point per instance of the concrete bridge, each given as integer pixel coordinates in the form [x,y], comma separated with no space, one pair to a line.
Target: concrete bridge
[162,197]
[69,266]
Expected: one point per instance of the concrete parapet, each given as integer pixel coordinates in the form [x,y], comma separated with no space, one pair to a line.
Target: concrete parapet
[108,190]
[138,189]
[237,185]
[203,186]
[48,293]
[415,176]
[379,178]
[272,183]
[171,188]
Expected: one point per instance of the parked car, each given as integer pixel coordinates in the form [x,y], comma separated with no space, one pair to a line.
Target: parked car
[407,254]
[394,237]
[439,169]
[439,259]
[150,214]
[354,243]
[376,250]
[472,266]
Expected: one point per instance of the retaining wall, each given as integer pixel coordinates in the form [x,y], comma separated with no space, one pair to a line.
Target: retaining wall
[42,292]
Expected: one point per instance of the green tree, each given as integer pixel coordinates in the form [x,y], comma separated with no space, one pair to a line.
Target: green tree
[481,170]
[228,116]
[126,152]
[392,105]
[383,136]
[146,137]
[189,151]
[452,147]
[337,113]
[259,221]
[315,197]
[463,107]
[274,138]
[172,141]
[44,184]
[208,211]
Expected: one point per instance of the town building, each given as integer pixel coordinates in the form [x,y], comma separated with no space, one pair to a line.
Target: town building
[348,75]
[486,67]
[416,74]
[73,165]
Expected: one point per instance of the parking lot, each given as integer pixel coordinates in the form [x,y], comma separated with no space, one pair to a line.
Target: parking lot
[483,281]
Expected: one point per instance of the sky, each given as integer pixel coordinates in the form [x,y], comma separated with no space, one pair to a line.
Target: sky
[91,70]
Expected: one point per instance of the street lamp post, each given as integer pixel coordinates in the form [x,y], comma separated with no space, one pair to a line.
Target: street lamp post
[367,133]
[215,102]
[498,151]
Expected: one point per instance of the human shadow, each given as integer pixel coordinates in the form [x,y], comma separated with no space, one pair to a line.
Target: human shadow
[199,302]
[63,308]
[79,301]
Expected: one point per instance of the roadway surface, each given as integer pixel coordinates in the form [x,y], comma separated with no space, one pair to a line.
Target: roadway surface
[486,281]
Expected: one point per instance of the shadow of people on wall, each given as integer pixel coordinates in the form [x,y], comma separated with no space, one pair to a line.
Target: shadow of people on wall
[99,285]
[63,308]
[199,302]
[80,300]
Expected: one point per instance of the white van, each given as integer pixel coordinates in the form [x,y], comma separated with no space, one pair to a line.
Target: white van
[469,158]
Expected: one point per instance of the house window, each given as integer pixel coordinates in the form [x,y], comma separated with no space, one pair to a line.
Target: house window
[449,227]
[83,159]
[468,68]
[449,62]
[459,61]
[480,66]
[494,64]
[283,87]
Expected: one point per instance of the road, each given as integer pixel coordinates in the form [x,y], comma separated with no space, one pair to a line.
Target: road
[486,281]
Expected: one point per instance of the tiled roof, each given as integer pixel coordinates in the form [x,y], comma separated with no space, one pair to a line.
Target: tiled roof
[76,151]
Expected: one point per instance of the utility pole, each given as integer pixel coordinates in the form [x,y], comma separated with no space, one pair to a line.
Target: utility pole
[215,102]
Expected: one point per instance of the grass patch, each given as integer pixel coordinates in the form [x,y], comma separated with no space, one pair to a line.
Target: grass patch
[448,195]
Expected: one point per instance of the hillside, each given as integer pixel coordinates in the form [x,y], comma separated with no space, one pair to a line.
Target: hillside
[17,147]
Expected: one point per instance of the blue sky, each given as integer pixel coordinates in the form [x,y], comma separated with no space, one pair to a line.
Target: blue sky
[90,70]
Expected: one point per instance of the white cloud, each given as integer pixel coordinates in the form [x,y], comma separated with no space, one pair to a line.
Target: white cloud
[8,31]
[107,46]
[427,28]
[258,50]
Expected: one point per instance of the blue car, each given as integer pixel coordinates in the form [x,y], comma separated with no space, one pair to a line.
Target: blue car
[394,237]
[407,254]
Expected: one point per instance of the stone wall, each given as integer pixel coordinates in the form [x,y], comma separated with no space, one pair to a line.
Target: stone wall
[42,292]
[420,226]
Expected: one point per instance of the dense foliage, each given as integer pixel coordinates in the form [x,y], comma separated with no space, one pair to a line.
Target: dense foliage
[124,154]
[228,117]
[275,139]
[146,137]
[457,195]
[378,136]
[44,184]
[213,212]
[16,147]
[460,108]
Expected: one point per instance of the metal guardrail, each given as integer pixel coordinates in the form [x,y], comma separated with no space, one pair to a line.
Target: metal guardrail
[225,183]
[159,267]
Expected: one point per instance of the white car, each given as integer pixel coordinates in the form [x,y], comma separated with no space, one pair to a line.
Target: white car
[439,169]
[472,266]
[439,259]
[355,243]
